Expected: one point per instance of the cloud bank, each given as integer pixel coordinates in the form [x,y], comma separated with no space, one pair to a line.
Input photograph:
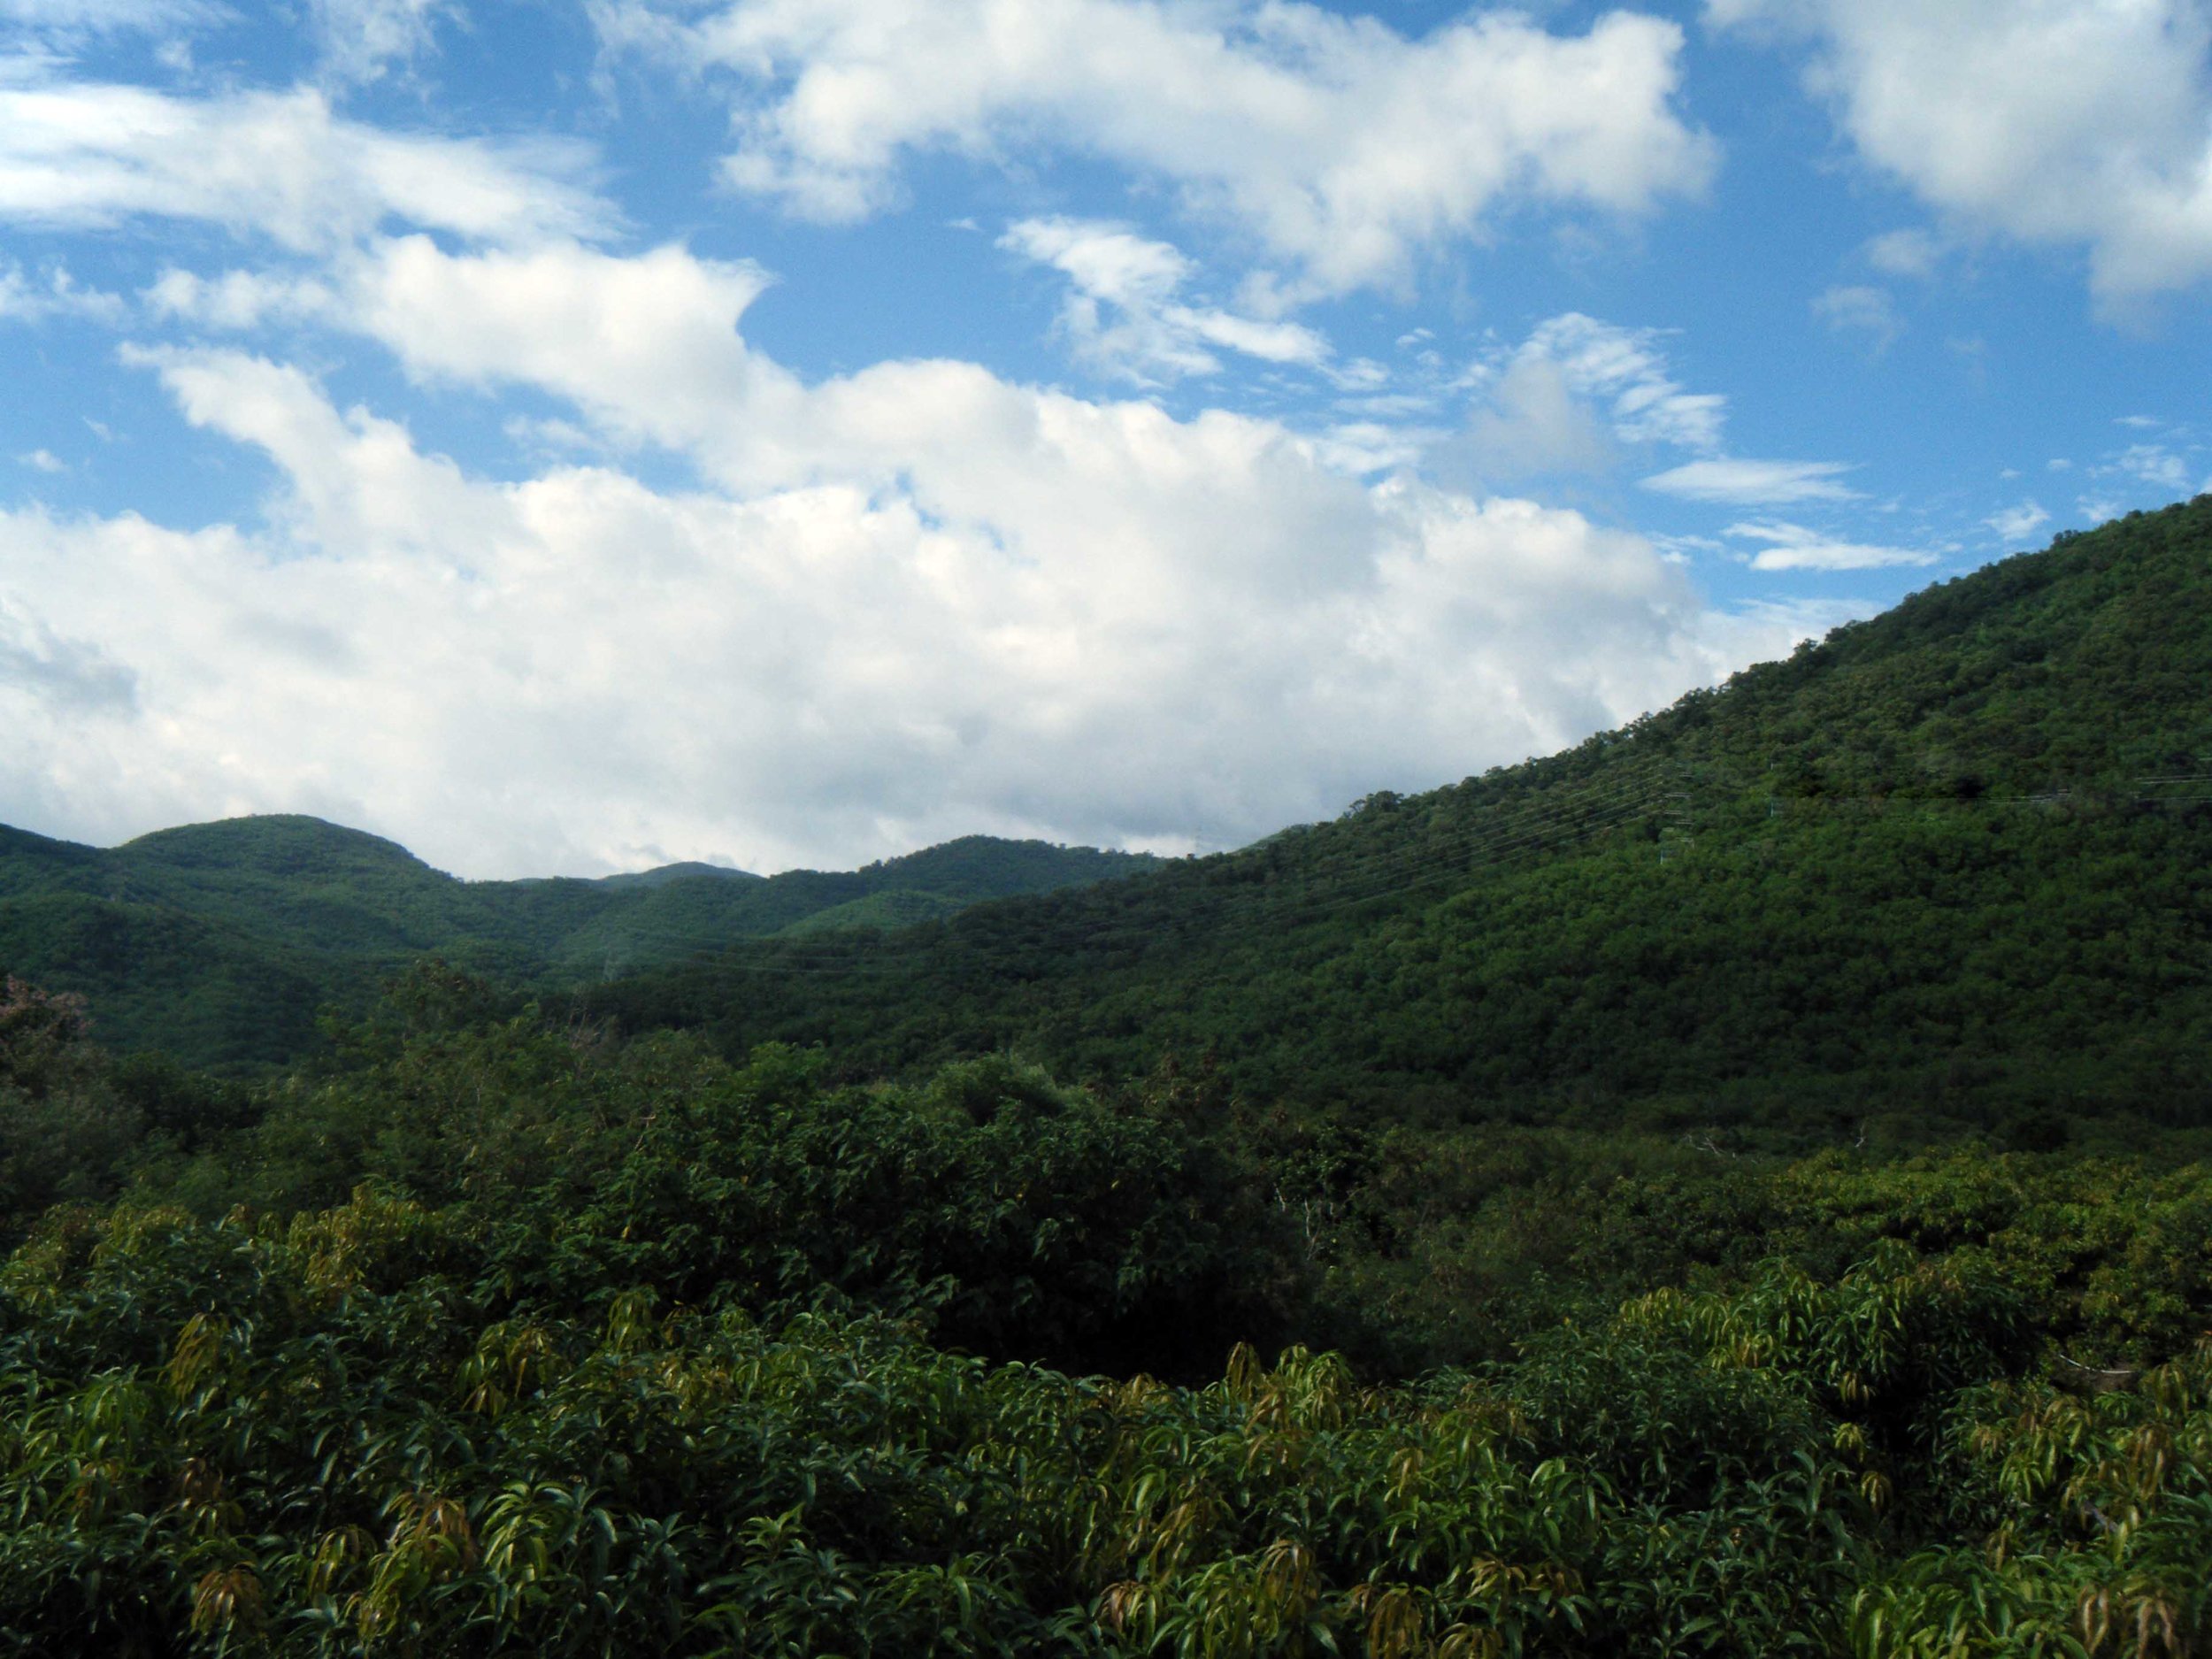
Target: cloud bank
[906,604]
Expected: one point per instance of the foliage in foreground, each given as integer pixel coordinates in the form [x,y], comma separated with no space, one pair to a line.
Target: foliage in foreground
[345,1434]
[493,1336]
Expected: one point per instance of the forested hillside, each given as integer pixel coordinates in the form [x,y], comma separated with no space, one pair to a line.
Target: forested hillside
[1948,869]
[217,943]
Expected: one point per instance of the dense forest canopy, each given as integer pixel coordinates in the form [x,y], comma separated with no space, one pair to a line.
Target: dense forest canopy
[1739,1186]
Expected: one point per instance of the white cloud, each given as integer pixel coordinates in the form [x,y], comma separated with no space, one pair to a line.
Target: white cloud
[647,344]
[76,155]
[917,601]
[1534,423]
[1869,310]
[361,38]
[1791,547]
[65,25]
[1346,149]
[2154,465]
[355,481]
[24,299]
[1364,447]
[1905,253]
[56,672]
[42,461]
[1578,388]
[237,300]
[1754,483]
[1626,368]
[2049,122]
[2017,524]
[1124,315]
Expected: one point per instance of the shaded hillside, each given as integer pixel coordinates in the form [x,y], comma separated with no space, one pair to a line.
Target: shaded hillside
[219,942]
[1950,865]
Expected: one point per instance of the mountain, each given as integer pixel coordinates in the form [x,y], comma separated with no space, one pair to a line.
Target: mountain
[218,943]
[1950,867]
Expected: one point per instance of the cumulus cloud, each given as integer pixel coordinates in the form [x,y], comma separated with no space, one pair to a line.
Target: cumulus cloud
[1123,311]
[646,345]
[1366,447]
[1791,547]
[237,300]
[2044,121]
[26,299]
[282,164]
[2017,524]
[1905,253]
[1754,483]
[2152,464]
[1867,311]
[910,603]
[355,481]
[1345,149]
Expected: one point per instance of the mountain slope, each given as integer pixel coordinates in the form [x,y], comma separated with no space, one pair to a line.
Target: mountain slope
[1948,866]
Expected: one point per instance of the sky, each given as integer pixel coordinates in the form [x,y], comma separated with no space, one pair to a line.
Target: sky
[570,438]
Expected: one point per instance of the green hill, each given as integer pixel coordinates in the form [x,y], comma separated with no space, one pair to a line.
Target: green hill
[218,943]
[1951,866]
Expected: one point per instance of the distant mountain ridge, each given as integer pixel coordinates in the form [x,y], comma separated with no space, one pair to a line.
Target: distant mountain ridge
[217,942]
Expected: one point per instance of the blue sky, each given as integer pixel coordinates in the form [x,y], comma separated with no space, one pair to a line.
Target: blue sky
[567,438]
